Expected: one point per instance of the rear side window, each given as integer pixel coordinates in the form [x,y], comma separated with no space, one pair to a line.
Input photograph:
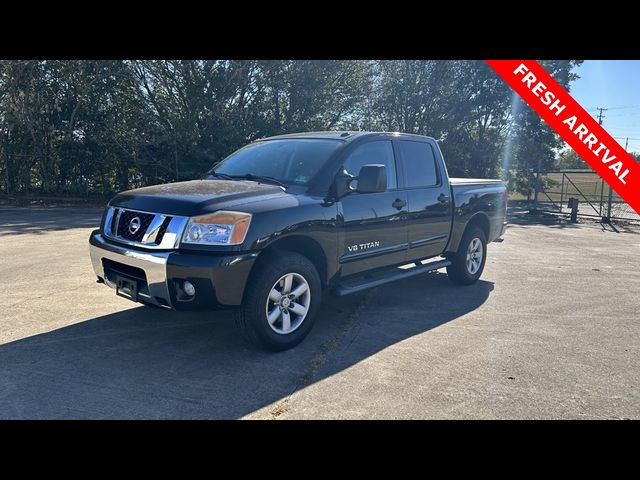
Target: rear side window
[419,163]
[380,152]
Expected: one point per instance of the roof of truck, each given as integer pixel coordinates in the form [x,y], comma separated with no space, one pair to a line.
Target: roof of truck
[343,135]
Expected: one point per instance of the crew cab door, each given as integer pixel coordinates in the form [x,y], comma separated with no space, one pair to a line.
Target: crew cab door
[428,191]
[374,226]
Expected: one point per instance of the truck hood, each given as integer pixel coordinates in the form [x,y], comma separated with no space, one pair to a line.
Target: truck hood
[196,197]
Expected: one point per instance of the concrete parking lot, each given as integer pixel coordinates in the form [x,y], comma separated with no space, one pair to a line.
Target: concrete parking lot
[552,331]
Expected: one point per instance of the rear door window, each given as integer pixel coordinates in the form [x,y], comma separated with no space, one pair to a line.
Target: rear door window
[419,163]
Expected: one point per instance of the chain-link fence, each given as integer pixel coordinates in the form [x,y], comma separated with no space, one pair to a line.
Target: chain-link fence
[554,190]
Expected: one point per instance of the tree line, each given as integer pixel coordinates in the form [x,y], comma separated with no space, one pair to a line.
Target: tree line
[96,127]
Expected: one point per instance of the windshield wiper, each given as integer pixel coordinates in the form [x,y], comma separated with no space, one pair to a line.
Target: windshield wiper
[264,178]
[248,176]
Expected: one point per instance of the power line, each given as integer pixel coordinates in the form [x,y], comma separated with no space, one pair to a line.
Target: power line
[620,138]
[621,107]
[623,112]
[622,132]
[624,106]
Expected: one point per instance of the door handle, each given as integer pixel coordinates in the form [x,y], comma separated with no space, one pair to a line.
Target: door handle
[442,198]
[399,204]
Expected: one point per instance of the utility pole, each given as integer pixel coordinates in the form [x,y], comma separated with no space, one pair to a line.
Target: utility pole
[600,115]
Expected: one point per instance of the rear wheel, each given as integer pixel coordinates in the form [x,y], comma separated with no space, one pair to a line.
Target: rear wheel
[281,301]
[467,264]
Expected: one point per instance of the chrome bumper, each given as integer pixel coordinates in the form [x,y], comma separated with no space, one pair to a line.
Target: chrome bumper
[154,265]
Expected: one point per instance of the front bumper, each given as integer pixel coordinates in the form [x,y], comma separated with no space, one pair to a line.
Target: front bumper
[219,279]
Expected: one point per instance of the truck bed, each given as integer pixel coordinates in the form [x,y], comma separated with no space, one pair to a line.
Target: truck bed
[472,196]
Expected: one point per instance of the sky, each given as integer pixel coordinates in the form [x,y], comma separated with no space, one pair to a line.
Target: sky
[612,84]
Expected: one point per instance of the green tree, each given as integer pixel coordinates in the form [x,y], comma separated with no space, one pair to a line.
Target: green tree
[569,159]
[535,144]
[97,126]
[463,104]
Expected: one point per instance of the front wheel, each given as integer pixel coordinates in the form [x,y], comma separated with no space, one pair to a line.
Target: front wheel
[281,301]
[468,262]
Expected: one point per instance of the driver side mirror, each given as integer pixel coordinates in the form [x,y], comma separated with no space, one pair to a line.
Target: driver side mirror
[372,179]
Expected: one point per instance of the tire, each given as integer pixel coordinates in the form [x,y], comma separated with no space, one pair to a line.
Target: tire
[467,271]
[274,323]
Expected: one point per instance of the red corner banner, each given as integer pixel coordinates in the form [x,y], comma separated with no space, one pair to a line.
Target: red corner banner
[576,127]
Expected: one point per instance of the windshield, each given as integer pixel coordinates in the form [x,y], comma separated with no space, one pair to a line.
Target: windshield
[291,161]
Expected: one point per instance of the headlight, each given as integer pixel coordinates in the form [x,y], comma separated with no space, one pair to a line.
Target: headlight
[220,228]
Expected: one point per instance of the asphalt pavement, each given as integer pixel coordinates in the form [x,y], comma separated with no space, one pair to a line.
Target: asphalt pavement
[551,331]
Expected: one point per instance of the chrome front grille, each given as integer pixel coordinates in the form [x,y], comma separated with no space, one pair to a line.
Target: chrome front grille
[144,229]
[124,219]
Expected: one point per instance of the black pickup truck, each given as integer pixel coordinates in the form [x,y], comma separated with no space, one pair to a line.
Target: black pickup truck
[285,219]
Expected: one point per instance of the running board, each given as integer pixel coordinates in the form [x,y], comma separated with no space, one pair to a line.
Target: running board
[386,276]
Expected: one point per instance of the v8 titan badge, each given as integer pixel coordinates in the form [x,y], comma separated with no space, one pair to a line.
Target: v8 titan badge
[363,246]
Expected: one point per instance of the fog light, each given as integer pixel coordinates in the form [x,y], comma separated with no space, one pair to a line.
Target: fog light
[189,289]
